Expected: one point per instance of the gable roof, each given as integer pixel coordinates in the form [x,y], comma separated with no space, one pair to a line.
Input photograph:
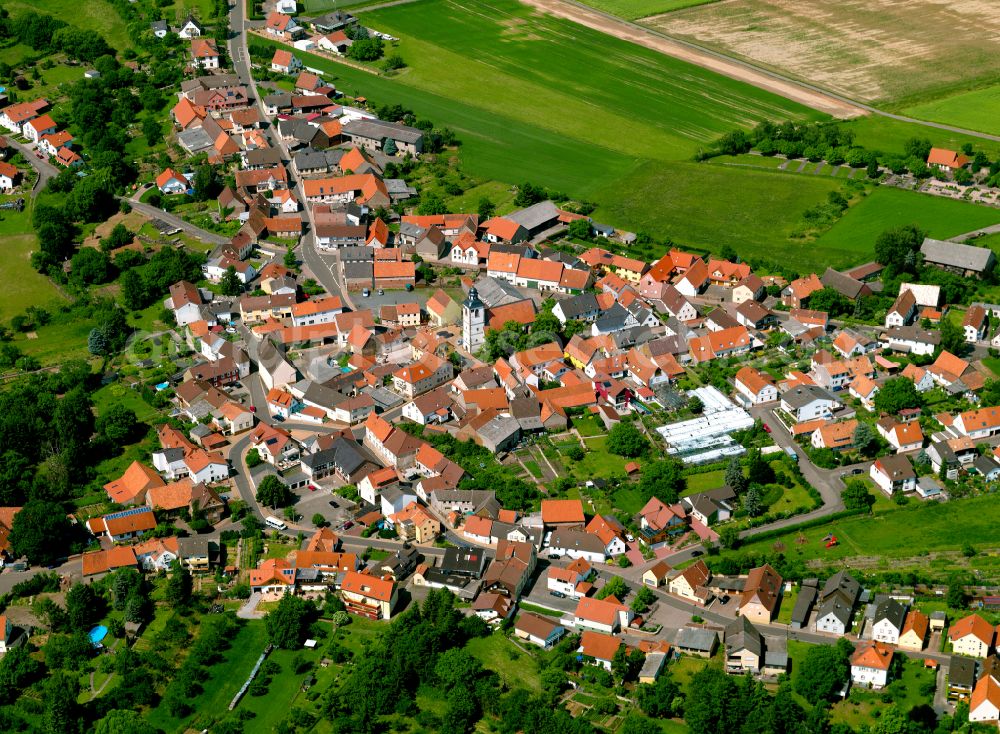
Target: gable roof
[972,625]
[875,655]
[562,511]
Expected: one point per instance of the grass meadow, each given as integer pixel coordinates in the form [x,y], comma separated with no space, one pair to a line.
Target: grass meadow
[975,110]
[889,207]
[96,15]
[634,9]
[24,285]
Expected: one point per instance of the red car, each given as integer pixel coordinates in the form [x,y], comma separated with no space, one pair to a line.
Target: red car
[767,428]
[253,408]
[312,487]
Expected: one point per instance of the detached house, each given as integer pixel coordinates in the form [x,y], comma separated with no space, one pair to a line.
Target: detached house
[870,664]
[887,625]
[606,615]
[972,636]
[975,324]
[755,386]
[893,474]
[761,594]
[368,596]
[204,53]
[692,584]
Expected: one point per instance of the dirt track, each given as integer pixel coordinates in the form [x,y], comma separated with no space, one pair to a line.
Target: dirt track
[630,32]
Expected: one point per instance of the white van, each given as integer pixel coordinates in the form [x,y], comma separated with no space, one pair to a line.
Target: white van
[273,522]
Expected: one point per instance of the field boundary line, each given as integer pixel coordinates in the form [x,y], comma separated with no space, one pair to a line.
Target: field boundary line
[805,93]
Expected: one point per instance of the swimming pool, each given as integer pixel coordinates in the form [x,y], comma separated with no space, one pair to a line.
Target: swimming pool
[97,634]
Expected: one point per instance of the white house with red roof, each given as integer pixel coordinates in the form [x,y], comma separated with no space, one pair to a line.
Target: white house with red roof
[172,182]
[34,129]
[285,62]
[607,615]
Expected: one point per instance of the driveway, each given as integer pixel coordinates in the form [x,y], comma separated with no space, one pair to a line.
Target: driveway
[249,610]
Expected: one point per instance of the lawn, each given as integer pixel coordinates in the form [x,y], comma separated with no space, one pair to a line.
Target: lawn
[588,425]
[896,533]
[890,207]
[598,462]
[96,15]
[515,667]
[992,364]
[704,481]
[632,9]
[975,110]
[884,134]
[58,342]
[225,679]
[24,285]
[117,394]
[861,706]
[755,211]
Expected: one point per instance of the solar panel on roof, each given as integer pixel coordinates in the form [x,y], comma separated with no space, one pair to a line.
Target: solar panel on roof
[127,513]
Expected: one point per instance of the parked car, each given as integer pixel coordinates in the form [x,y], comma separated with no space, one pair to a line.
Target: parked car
[767,428]
[279,418]
[558,594]
[366,292]
[381,292]
[348,525]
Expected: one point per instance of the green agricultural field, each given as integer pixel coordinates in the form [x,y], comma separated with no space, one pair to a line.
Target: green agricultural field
[889,207]
[633,9]
[708,206]
[96,15]
[976,110]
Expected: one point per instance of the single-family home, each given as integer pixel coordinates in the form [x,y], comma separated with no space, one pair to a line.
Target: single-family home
[975,324]
[914,633]
[870,664]
[368,596]
[755,386]
[761,594]
[972,636]
[692,583]
[538,630]
[656,575]
[599,647]
[887,624]
[893,474]
[607,615]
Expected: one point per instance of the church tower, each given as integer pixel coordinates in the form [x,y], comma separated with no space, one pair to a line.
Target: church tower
[473,322]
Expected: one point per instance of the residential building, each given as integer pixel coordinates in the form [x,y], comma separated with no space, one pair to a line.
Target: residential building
[887,624]
[972,636]
[870,664]
[761,594]
[893,474]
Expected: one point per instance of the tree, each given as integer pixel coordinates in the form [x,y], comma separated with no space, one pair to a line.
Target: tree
[341,618]
[830,301]
[120,236]
[579,229]
[61,713]
[956,597]
[663,479]
[759,471]
[431,203]
[287,623]
[896,394]
[389,145]
[253,458]
[120,721]
[528,194]
[272,492]
[39,532]
[207,183]
[485,208]
[457,668]
[90,267]
[952,337]
[734,478]
[615,587]
[366,49]
[752,501]
[132,290]
[118,423]
[152,131]
[18,669]
[644,597]
[856,496]
[179,587]
[729,537]
[638,725]
[656,700]
[290,261]
[823,672]
[624,439]
[230,283]
[918,148]
[83,606]
[865,439]
[319,521]
[893,245]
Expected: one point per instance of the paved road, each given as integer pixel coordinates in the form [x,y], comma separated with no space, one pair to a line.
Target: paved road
[45,169]
[992,229]
[175,221]
[323,268]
